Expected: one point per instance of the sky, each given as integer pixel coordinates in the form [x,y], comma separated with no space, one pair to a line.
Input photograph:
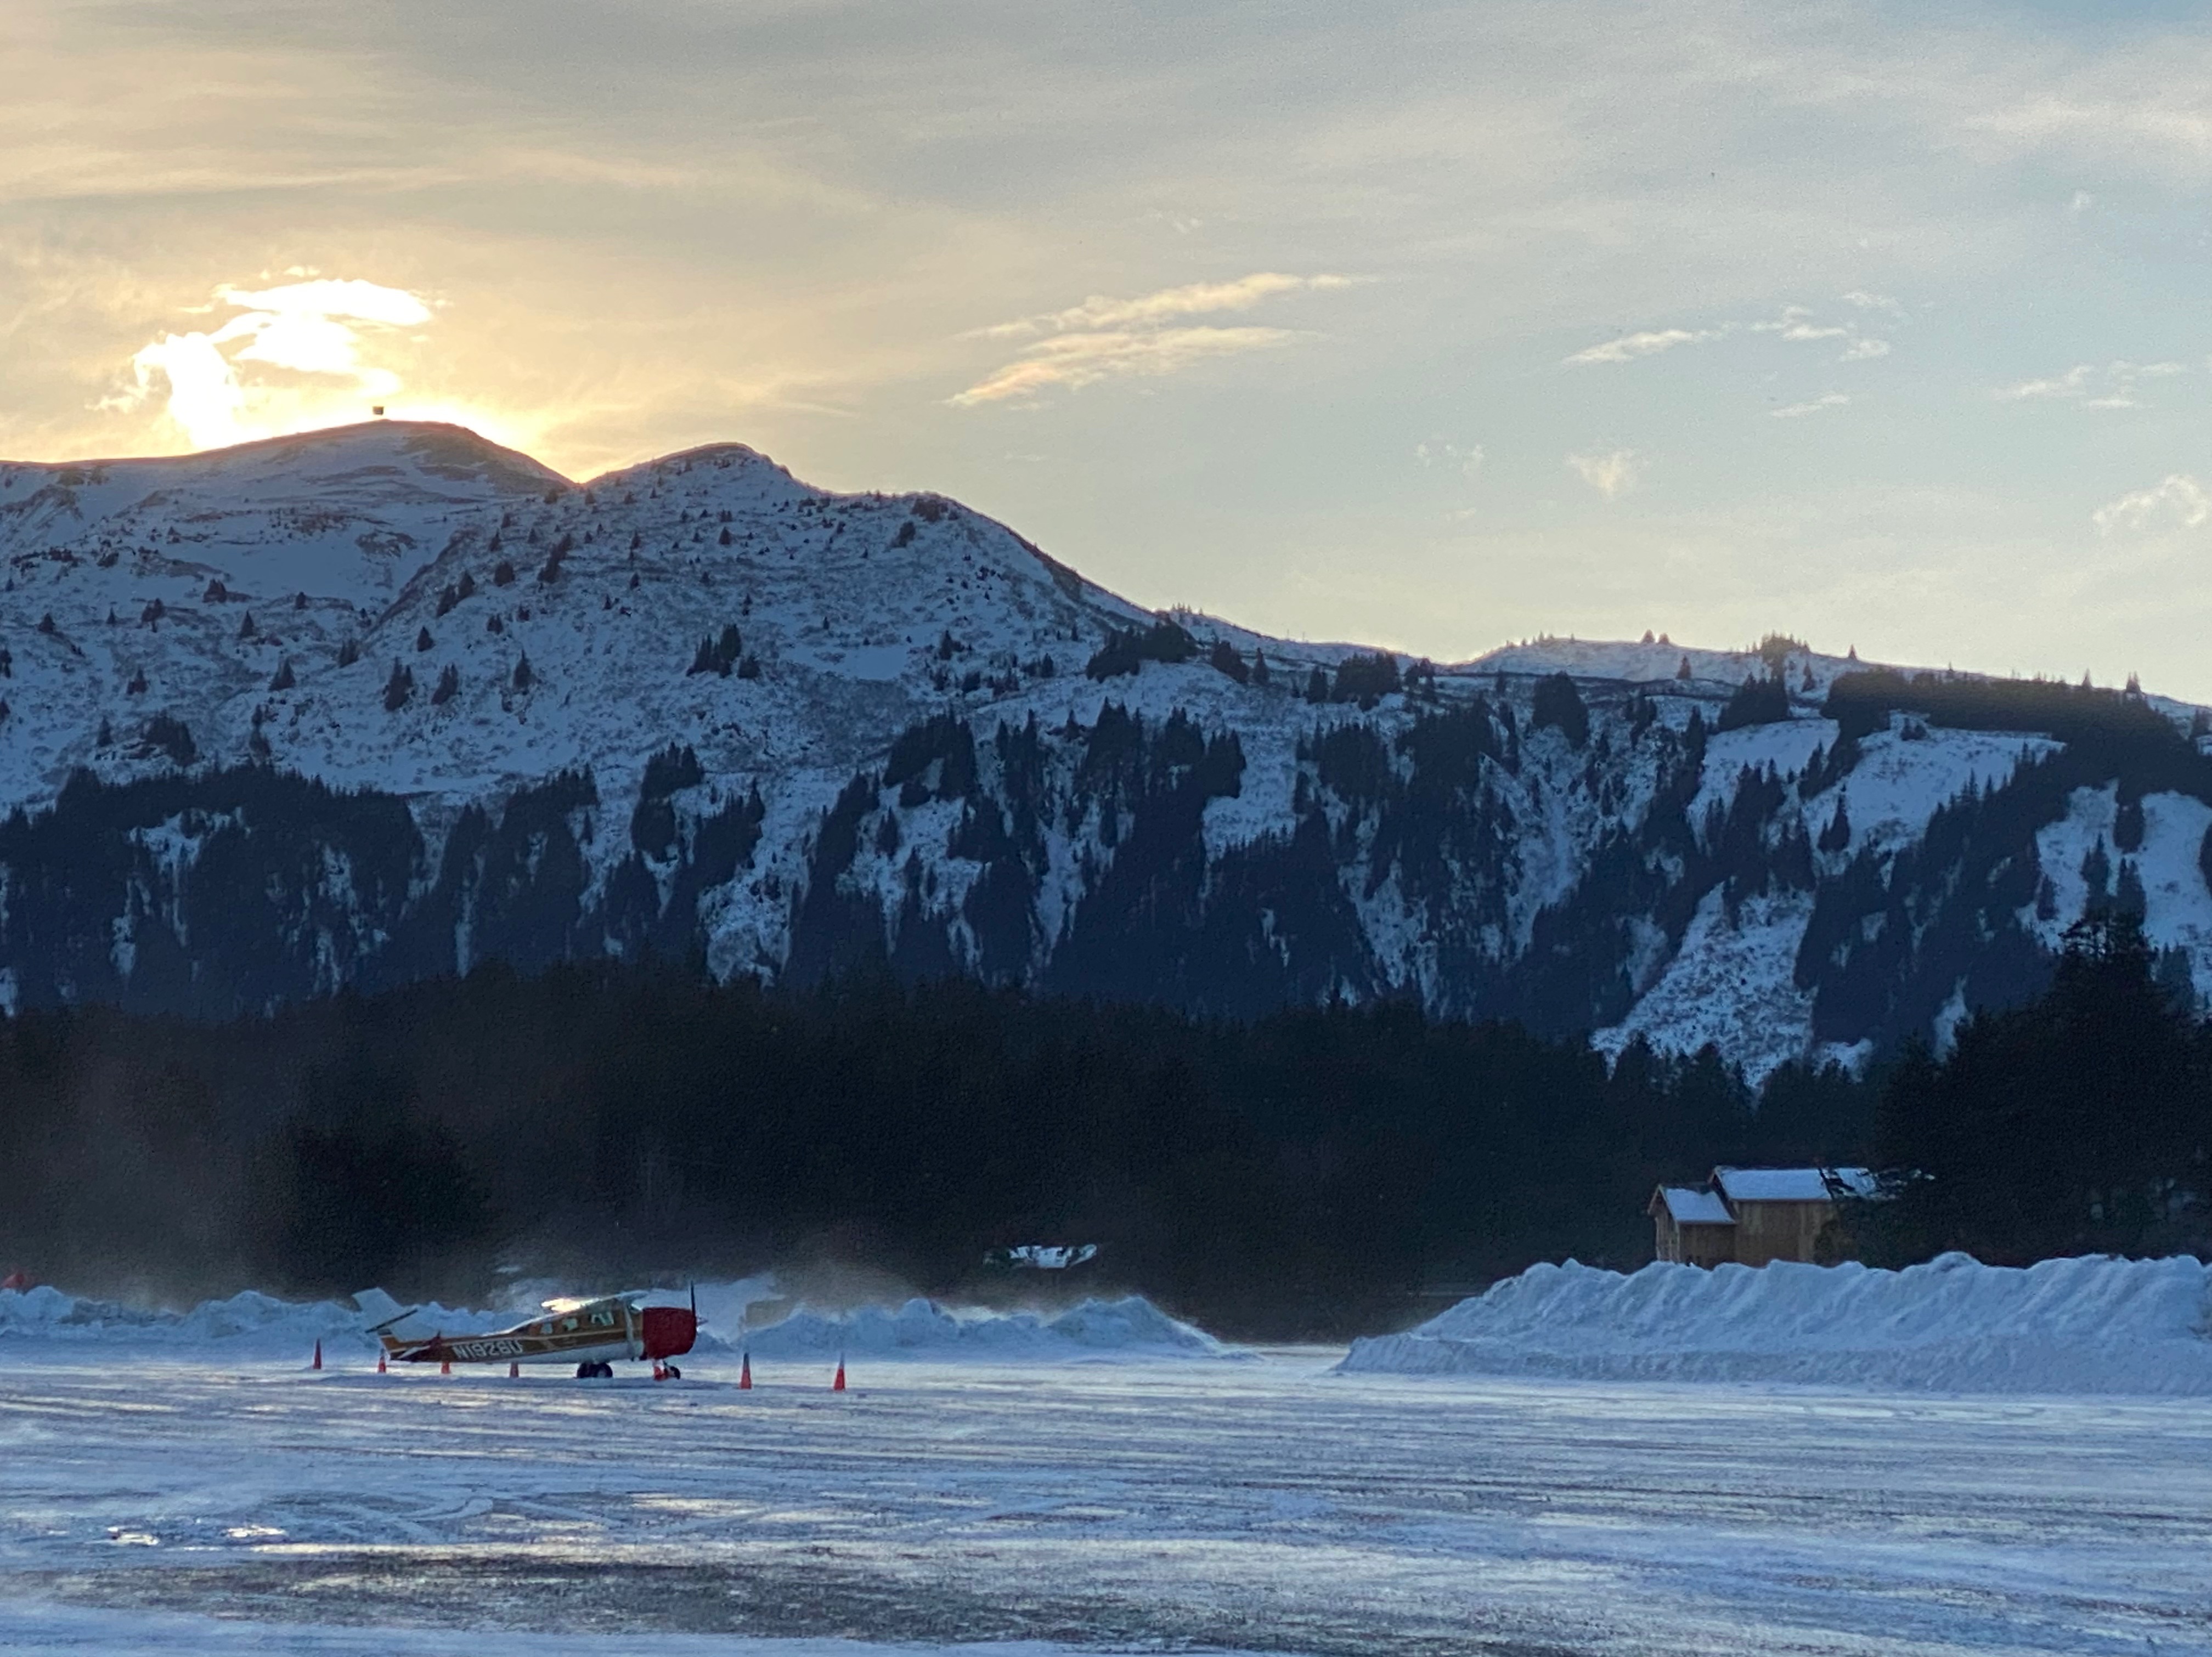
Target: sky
[1428,325]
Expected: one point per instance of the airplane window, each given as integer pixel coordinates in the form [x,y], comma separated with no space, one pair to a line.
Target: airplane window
[605,1319]
[567,1324]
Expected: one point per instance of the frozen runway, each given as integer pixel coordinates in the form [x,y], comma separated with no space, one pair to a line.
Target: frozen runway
[1262,1506]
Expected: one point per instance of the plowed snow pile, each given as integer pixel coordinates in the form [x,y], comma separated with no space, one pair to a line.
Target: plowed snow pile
[1955,1325]
[1097,1328]
[48,1322]
[48,1319]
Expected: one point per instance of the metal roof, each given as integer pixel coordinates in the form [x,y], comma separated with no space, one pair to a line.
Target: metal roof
[1789,1184]
[1688,1206]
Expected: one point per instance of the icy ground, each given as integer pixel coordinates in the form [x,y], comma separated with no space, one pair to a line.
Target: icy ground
[1264,1505]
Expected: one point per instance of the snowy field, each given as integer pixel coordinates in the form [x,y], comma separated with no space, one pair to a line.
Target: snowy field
[153,1499]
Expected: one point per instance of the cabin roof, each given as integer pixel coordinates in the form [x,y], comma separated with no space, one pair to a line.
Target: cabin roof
[1791,1185]
[1688,1206]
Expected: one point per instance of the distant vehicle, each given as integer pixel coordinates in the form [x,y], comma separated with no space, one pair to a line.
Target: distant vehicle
[592,1334]
[1041,1257]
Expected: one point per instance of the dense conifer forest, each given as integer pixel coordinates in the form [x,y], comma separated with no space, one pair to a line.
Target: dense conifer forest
[1310,1173]
[1305,1173]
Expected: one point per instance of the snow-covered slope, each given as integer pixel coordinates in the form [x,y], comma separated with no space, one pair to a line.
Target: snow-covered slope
[367,704]
[2066,1326]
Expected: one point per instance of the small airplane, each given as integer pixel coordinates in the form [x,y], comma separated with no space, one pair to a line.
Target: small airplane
[589,1333]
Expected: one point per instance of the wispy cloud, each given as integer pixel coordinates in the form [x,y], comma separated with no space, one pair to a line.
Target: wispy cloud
[1437,452]
[1193,300]
[1069,363]
[1106,338]
[1860,299]
[1798,411]
[2112,386]
[1795,326]
[317,327]
[1650,342]
[2179,501]
[1610,474]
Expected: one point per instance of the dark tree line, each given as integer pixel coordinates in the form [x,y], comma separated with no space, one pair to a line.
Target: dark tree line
[1300,1174]
[2080,1122]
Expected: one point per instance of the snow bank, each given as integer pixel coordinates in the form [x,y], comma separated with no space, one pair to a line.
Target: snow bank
[1132,1327]
[2070,1325]
[247,1323]
[50,1322]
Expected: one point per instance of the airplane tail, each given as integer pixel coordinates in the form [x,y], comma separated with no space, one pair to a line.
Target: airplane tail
[394,1326]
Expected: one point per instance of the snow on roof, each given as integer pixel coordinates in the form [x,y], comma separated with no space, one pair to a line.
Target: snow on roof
[1789,1184]
[1688,1206]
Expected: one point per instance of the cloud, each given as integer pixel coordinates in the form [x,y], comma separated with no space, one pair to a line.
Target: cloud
[1106,338]
[1650,342]
[1882,302]
[1436,451]
[2180,501]
[1071,362]
[2114,385]
[316,328]
[1798,411]
[1798,331]
[1795,326]
[1612,474]
[1194,299]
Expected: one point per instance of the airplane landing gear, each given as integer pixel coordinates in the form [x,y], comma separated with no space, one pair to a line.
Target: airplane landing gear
[595,1372]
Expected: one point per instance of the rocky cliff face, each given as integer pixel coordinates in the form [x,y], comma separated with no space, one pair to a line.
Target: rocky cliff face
[368,705]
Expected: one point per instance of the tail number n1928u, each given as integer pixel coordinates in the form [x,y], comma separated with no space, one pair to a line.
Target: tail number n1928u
[477,1351]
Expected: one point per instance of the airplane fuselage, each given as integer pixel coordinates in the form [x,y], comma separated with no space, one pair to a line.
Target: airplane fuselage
[597,1331]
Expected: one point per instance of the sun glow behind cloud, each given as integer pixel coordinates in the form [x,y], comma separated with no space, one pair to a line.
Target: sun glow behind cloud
[313,352]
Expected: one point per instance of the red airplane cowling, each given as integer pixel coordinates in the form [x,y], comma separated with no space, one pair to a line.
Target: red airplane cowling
[668,1331]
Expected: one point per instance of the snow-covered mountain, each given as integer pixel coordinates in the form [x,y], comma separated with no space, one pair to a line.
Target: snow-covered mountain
[370,704]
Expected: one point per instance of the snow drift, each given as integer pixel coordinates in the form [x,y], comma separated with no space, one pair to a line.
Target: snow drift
[1130,1327]
[49,1322]
[2091,1324]
[249,1323]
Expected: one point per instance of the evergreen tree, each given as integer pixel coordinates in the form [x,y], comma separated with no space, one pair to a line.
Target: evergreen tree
[1559,704]
[2097,875]
[2128,822]
[2128,899]
[1837,836]
[398,688]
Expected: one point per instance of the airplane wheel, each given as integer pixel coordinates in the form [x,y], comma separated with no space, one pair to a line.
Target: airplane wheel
[672,1372]
[587,1371]
[606,1372]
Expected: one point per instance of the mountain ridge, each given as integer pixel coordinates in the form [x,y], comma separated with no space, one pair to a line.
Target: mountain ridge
[845,728]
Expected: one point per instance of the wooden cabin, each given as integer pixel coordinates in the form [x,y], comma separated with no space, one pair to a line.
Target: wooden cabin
[1695,1227]
[1751,1215]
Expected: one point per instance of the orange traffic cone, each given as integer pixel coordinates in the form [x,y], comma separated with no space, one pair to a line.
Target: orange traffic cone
[446,1368]
[838,1385]
[513,1370]
[316,1362]
[745,1374]
[379,1363]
